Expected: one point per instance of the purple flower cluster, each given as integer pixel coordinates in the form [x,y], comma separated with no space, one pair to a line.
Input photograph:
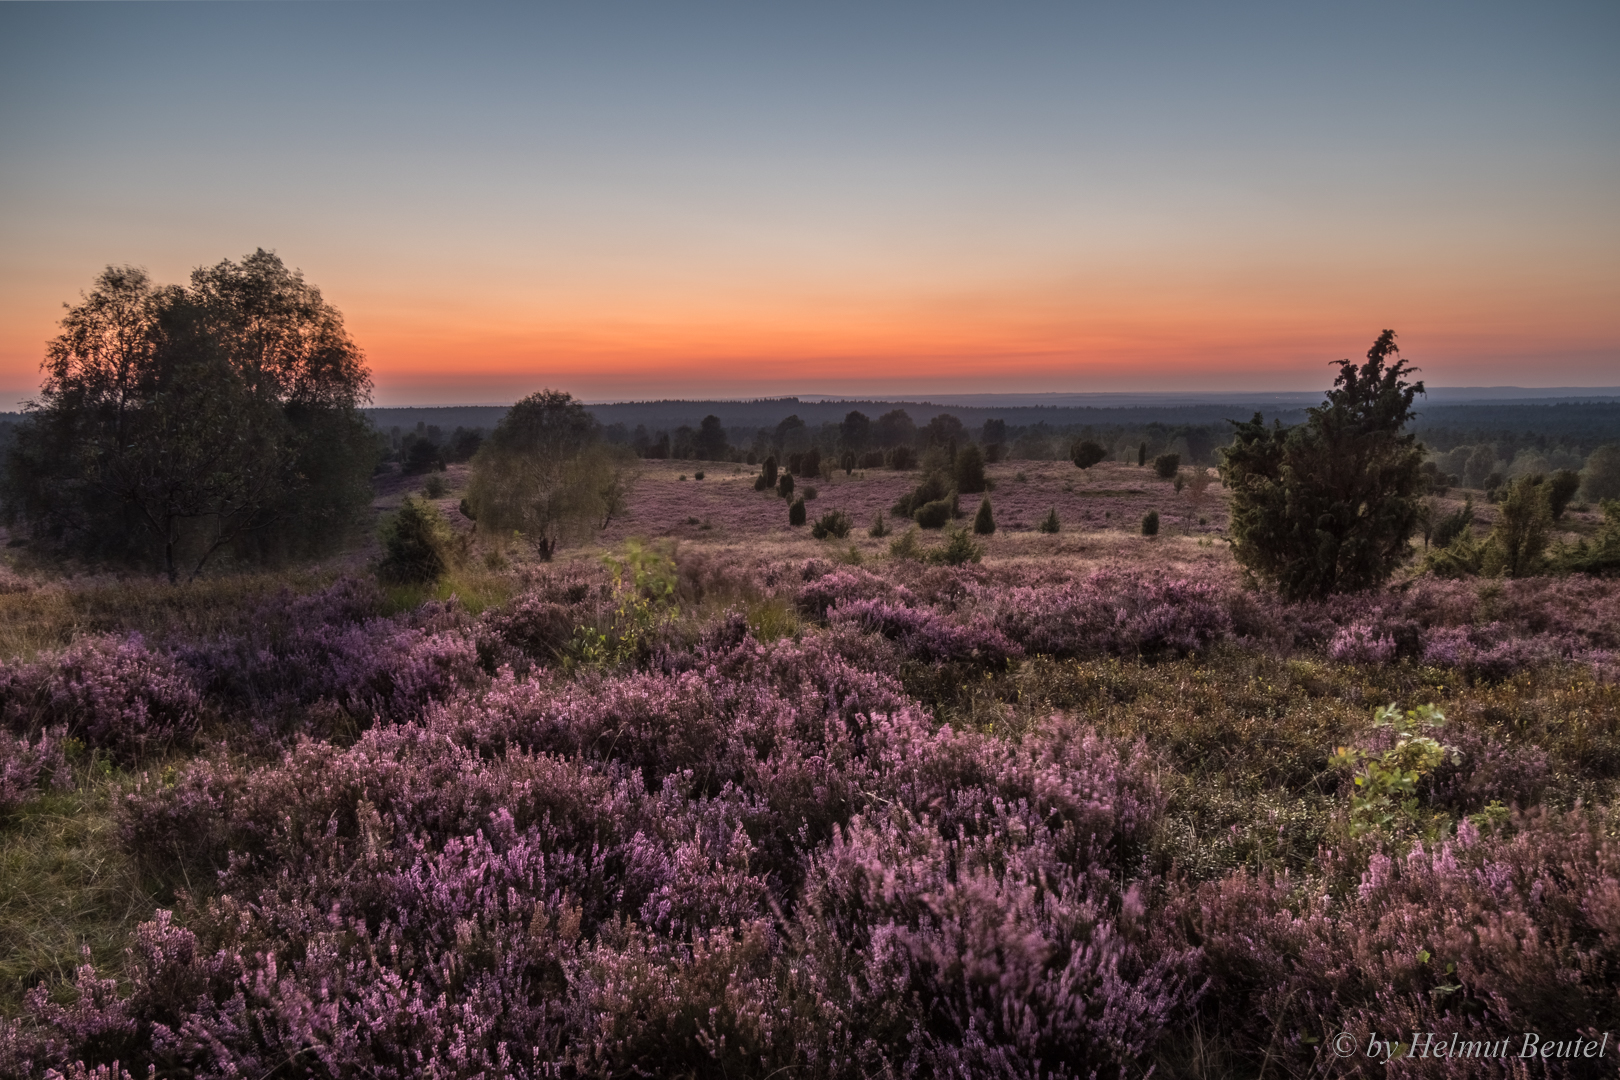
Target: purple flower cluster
[29,764]
[1485,935]
[110,691]
[769,860]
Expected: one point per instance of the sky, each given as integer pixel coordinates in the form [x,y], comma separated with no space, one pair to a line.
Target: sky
[633,201]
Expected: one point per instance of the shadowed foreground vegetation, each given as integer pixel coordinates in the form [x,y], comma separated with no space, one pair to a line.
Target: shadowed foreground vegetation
[724,809]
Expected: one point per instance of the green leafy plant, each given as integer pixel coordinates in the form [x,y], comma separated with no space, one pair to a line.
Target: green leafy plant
[796,512]
[958,548]
[984,523]
[1050,524]
[1150,523]
[644,580]
[834,523]
[1385,796]
[905,546]
[1086,453]
[1166,466]
[879,528]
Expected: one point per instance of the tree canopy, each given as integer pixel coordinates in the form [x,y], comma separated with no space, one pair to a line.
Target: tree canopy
[545,473]
[175,422]
[1330,505]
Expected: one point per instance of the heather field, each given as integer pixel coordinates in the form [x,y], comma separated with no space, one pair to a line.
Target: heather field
[713,798]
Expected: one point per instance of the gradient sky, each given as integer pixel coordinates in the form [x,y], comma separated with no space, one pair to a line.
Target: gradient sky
[650,200]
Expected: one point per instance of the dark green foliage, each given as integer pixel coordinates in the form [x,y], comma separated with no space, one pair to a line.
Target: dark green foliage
[1330,505]
[1600,479]
[417,545]
[1520,535]
[879,529]
[1086,453]
[933,515]
[467,510]
[943,430]
[784,485]
[1599,554]
[893,429]
[1166,466]
[1150,523]
[958,549]
[710,441]
[1141,455]
[969,470]
[900,458]
[422,457]
[834,523]
[855,433]
[1050,523]
[809,465]
[984,523]
[796,512]
[1454,524]
[1561,488]
[545,473]
[847,461]
[435,487]
[178,422]
[767,475]
[933,488]
[809,492]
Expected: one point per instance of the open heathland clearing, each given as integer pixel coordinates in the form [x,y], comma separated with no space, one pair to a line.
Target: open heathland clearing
[707,796]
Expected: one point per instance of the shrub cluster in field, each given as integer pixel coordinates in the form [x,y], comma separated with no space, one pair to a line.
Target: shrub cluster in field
[607,828]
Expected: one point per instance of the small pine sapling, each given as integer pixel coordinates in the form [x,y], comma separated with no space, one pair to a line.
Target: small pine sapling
[1050,524]
[879,528]
[796,513]
[984,523]
[1150,523]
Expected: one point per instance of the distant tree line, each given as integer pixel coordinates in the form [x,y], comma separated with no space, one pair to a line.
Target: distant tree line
[892,439]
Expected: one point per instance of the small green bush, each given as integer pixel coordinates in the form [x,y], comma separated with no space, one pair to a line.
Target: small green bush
[810,492]
[1561,488]
[796,512]
[933,515]
[901,458]
[1454,524]
[784,485]
[878,529]
[435,487]
[834,523]
[1086,453]
[984,523]
[1166,466]
[968,470]
[417,545]
[1150,523]
[906,545]
[1049,524]
[697,475]
[1141,455]
[958,549]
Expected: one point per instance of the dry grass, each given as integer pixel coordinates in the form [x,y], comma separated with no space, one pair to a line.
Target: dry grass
[67,888]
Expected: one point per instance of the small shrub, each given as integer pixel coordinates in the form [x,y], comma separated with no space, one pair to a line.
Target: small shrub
[1049,524]
[435,487]
[1086,453]
[809,464]
[847,462]
[417,545]
[959,548]
[1150,523]
[905,546]
[1020,477]
[878,530]
[1141,455]
[1454,524]
[984,523]
[968,470]
[697,475]
[1166,466]
[810,492]
[1385,797]
[1561,488]
[834,523]
[933,515]
[784,485]
[796,514]
[901,458]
